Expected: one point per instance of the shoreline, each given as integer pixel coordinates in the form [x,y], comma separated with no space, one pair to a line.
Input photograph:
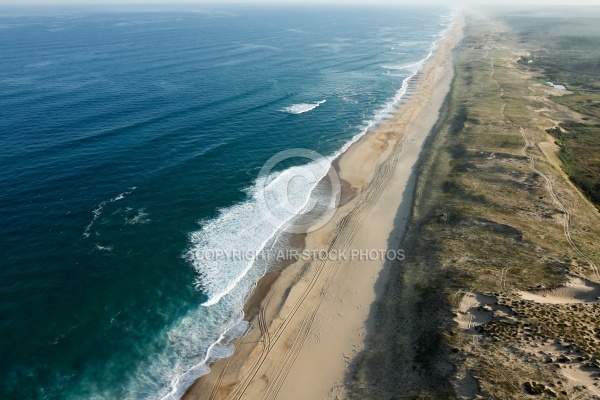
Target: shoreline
[291,306]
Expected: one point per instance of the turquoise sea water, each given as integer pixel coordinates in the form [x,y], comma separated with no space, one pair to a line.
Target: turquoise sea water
[130,140]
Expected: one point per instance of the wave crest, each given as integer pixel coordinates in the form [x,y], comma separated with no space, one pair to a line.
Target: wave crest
[302,108]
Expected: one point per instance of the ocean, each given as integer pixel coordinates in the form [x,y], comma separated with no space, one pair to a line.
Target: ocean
[132,142]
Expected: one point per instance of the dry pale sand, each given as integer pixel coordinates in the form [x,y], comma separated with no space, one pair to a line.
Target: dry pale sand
[577,290]
[310,318]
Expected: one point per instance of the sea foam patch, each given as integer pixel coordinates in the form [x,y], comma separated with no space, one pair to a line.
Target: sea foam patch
[302,108]
[245,227]
[100,207]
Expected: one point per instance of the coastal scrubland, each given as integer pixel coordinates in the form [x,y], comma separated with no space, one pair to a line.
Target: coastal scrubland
[566,50]
[498,296]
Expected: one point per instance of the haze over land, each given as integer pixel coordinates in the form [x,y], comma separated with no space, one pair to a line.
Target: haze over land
[317,2]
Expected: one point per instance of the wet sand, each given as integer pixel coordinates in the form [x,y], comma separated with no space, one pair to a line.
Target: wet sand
[311,318]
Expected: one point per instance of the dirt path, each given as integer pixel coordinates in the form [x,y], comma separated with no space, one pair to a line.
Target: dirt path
[549,186]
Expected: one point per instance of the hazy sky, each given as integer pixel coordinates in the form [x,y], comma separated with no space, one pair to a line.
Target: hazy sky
[366,2]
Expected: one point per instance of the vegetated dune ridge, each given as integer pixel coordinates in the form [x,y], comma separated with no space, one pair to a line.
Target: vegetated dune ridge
[311,318]
[498,296]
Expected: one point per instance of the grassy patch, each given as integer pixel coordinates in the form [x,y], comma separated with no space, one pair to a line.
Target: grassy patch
[584,103]
[567,51]
[485,222]
[580,154]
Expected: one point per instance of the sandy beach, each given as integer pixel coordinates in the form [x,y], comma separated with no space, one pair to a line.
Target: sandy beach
[311,318]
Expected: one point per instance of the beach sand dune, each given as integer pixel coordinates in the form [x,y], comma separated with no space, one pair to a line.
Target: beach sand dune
[311,318]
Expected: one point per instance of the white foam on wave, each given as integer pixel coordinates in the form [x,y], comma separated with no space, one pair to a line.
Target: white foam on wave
[415,67]
[285,197]
[410,67]
[104,248]
[139,218]
[100,207]
[222,348]
[242,227]
[189,349]
[302,107]
[228,282]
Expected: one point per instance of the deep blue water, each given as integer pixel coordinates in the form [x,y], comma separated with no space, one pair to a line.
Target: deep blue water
[127,137]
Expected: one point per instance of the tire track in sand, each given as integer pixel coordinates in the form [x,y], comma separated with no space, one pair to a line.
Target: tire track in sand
[566,213]
[345,233]
[549,186]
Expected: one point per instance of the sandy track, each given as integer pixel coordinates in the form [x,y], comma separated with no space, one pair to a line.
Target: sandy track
[313,321]
[549,186]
